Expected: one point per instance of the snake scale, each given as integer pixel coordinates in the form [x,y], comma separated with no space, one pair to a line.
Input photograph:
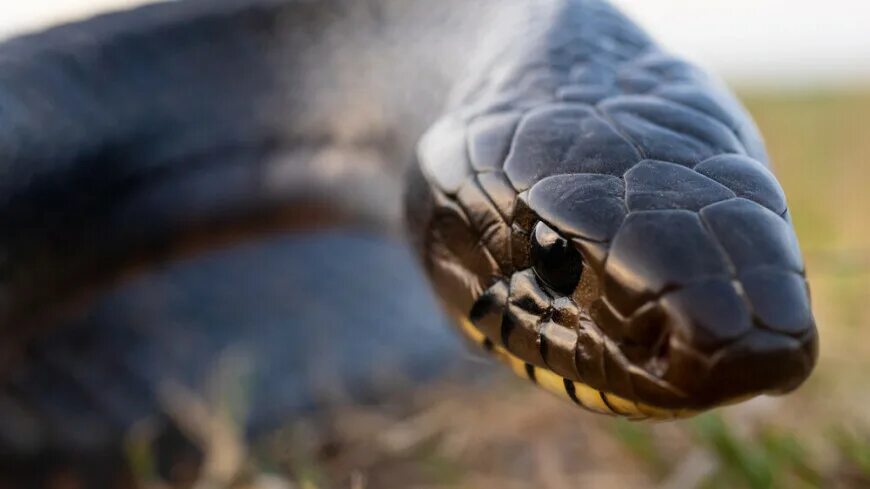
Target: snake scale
[592,210]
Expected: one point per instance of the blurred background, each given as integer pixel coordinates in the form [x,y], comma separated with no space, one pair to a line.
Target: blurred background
[803,69]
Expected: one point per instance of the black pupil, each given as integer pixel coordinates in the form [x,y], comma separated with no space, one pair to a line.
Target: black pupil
[555,261]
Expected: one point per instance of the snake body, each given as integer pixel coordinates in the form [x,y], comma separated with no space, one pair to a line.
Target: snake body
[594,211]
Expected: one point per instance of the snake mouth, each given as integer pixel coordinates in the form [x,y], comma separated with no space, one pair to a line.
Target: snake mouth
[715,342]
[660,362]
[554,343]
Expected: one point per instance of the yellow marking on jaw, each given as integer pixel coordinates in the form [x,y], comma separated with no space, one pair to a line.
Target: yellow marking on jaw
[470,331]
[591,398]
[518,366]
[584,395]
[623,406]
[552,383]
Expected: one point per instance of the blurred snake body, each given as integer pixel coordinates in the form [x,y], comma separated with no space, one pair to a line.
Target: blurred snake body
[594,211]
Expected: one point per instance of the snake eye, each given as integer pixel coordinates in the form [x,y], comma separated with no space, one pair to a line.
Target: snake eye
[554,260]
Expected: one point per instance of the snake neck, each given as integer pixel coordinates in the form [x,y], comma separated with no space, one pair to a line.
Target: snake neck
[133,138]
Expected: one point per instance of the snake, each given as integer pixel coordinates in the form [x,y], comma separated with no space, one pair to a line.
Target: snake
[590,209]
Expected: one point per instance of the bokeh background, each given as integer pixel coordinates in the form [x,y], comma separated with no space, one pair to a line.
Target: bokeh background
[803,69]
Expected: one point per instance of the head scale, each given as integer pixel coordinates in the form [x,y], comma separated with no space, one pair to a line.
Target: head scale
[648,278]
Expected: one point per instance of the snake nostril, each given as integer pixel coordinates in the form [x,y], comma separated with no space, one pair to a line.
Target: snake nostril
[648,324]
[608,320]
[642,338]
[661,352]
[645,337]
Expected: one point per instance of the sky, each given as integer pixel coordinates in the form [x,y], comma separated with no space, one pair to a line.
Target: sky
[779,43]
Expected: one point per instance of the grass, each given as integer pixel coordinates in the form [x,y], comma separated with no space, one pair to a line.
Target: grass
[767,460]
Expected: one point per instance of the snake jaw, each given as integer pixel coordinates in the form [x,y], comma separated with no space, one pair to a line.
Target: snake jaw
[568,349]
[571,349]
[698,344]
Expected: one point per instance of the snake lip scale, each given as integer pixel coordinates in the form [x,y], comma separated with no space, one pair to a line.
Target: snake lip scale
[594,211]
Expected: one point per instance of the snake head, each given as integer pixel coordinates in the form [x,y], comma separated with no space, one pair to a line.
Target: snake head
[632,282]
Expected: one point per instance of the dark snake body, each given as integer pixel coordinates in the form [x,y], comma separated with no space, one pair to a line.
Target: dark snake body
[134,138]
